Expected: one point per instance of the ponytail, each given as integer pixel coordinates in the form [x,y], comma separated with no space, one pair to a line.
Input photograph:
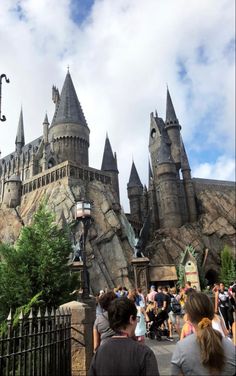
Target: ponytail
[201,312]
[211,348]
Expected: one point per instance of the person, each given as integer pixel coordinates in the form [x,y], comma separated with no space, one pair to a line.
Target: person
[219,324]
[152,294]
[99,309]
[187,328]
[121,354]
[140,294]
[181,297]
[224,306]
[167,308]
[101,328]
[215,291]
[175,311]
[187,285]
[205,352]
[142,318]
[160,299]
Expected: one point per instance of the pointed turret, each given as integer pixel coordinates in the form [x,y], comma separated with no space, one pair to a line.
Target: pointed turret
[20,137]
[108,161]
[45,129]
[69,109]
[135,195]
[109,164]
[134,180]
[46,119]
[69,132]
[173,129]
[170,111]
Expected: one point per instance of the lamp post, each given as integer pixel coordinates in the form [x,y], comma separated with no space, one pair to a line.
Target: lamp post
[83,215]
[2,117]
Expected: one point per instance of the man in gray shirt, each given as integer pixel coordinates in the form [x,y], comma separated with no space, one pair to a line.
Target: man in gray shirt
[121,354]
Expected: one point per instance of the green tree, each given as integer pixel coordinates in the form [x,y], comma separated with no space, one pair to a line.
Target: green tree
[228,267]
[38,263]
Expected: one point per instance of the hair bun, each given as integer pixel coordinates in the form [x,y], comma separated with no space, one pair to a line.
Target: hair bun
[204,323]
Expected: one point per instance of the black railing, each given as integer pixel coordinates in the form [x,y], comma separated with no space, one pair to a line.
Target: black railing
[40,345]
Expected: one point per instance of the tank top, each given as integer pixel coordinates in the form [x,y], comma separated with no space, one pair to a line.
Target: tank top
[141,325]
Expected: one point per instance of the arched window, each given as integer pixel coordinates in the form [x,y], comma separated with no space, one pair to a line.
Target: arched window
[51,163]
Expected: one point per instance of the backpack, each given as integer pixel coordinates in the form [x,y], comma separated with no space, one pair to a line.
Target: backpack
[175,305]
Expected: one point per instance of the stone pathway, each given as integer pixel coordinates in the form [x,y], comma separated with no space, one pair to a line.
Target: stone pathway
[163,350]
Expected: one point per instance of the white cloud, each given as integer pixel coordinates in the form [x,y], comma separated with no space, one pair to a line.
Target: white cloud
[222,169]
[120,59]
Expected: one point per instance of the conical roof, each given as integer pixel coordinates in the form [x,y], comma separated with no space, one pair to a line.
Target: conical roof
[108,161]
[69,109]
[20,137]
[170,111]
[134,180]
[46,119]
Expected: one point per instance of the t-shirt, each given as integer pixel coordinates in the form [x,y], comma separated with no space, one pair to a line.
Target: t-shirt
[123,357]
[223,298]
[151,296]
[186,359]
[102,325]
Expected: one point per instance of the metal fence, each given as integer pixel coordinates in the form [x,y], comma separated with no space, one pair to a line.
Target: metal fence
[40,345]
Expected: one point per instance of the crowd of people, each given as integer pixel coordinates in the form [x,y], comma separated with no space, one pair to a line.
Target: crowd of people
[205,332]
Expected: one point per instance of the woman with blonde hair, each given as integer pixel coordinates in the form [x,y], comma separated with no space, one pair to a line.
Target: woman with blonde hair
[206,352]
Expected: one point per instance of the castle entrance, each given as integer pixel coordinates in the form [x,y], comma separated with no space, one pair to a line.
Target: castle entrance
[211,276]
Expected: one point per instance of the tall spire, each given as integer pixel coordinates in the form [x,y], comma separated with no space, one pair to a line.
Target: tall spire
[20,137]
[109,162]
[46,119]
[170,111]
[134,180]
[69,109]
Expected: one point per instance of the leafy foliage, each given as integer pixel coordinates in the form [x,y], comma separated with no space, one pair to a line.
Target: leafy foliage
[38,263]
[228,267]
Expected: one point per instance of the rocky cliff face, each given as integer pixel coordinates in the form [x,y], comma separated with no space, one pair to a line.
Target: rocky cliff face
[109,252]
[214,229]
[108,249]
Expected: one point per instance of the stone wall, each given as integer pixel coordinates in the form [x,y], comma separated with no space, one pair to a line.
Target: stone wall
[214,229]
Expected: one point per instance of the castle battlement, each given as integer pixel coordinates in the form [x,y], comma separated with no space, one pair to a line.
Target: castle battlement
[63,170]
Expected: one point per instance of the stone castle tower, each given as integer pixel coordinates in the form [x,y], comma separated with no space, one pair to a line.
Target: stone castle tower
[170,198]
[62,151]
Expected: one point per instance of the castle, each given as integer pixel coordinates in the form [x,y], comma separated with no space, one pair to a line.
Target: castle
[171,198]
[61,152]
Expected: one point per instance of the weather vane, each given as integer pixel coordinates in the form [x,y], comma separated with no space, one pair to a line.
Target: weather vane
[2,117]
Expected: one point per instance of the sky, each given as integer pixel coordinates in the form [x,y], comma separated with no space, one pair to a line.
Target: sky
[122,54]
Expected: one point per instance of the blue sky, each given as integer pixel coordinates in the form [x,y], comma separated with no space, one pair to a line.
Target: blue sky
[122,54]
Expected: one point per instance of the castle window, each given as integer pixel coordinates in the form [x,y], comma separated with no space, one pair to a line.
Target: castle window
[51,163]
[153,133]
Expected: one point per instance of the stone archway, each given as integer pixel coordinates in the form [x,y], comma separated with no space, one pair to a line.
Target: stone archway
[211,276]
